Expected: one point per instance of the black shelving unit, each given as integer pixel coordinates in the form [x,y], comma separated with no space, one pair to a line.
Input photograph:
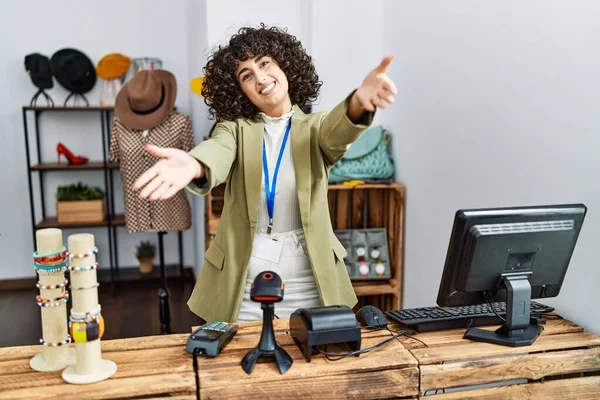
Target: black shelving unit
[112,220]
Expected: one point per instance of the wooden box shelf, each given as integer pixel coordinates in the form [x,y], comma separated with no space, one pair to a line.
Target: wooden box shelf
[352,207]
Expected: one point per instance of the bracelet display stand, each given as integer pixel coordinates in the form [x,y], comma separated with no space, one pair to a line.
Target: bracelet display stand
[86,322]
[50,263]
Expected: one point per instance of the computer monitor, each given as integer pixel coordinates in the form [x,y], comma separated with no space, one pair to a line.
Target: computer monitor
[513,255]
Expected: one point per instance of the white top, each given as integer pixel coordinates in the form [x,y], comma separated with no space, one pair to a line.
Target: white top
[286,214]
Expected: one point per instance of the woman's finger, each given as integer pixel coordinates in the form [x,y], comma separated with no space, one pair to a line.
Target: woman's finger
[162,152]
[151,187]
[145,178]
[389,85]
[160,190]
[377,102]
[169,193]
[386,97]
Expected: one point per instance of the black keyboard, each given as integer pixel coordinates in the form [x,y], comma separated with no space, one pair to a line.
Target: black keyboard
[429,319]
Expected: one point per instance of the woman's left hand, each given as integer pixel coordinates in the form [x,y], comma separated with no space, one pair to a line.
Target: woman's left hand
[376,91]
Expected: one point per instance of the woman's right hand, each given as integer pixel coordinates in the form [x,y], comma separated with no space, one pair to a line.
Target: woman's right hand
[169,175]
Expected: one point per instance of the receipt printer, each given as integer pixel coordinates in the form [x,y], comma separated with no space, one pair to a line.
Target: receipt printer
[323,325]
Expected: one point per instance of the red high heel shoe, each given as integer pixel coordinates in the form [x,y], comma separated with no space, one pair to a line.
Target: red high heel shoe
[72,158]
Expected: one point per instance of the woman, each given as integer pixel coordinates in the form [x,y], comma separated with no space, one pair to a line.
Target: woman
[263,143]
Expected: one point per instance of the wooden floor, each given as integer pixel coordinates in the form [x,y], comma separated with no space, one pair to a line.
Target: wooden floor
[129,309]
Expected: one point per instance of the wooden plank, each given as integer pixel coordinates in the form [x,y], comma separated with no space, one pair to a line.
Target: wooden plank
[357,214]
[375,211]
[364,385]
[498,369]
[397,243]
[129,364]
[455,336]
[109,389]
[365,186]
[587,388]
[393,353]
[468,349]
[145,343]
[373,289]
[220,372]
[341,210]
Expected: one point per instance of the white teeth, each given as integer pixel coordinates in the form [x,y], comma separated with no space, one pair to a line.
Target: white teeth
[268,88]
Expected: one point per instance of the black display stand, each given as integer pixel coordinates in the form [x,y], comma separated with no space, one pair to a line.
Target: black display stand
[37,94]
[76,96]
[519,329]
[112,221]
[267,346]
[163,292]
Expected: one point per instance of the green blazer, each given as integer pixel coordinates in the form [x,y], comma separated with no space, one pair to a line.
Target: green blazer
[234,155]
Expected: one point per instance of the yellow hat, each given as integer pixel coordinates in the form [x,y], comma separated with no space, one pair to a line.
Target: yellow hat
[196,85]
[113,66]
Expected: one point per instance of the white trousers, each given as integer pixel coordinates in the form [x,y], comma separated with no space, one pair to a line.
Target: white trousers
[295,272]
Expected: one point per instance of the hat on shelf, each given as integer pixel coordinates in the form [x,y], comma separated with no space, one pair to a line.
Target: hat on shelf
[73,70]
[146,99]
[113,66]
[39,69]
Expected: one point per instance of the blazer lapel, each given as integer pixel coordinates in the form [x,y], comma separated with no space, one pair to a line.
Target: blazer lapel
[301,156]
[252,135]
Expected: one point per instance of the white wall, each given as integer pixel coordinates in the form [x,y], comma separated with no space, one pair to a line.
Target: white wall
[498,106]
[197,48]
[135,28]
[224,18]
[347,45]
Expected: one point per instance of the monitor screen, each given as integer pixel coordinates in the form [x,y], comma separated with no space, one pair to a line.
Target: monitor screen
[486,244]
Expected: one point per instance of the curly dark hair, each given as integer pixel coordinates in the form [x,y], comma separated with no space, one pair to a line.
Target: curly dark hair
[221,89]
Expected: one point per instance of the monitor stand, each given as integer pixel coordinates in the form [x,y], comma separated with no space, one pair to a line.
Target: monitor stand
[519,329]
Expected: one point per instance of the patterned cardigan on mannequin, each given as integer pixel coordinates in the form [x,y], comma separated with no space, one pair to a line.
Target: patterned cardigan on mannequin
[127,149]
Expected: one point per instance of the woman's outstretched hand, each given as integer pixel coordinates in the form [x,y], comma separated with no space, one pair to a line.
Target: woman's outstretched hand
[169,175]
[376,91]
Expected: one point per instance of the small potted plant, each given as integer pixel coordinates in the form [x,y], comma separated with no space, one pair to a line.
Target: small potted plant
[145,254]
[79,203]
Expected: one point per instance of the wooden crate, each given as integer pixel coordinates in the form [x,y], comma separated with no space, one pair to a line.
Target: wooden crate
[363,206]
[374,206]
[79,211]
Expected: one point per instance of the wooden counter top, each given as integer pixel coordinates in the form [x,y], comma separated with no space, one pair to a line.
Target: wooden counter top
[563,362]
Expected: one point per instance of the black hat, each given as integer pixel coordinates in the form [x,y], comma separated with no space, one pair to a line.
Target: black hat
[73,70]
[39,69]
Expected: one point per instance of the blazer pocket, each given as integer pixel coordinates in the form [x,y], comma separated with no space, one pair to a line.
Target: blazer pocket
[215,256]
[338,249]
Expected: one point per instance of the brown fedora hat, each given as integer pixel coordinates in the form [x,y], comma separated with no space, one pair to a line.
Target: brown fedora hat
[147,99]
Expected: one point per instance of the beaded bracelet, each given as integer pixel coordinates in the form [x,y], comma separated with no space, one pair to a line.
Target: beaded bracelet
[88,330]
[51,268]
[83,255]
[64,342]
[54,304]
[85,287]
[50,287]
[39,299]
[76,317]
[51,259]
[51,272]
[49,254]
[84,268]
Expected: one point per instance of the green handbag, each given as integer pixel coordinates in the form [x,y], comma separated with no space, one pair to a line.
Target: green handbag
[367,159]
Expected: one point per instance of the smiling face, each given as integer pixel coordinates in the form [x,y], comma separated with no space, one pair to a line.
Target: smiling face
[265,85]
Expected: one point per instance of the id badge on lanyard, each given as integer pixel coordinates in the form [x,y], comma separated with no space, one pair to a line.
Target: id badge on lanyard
[270,188]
